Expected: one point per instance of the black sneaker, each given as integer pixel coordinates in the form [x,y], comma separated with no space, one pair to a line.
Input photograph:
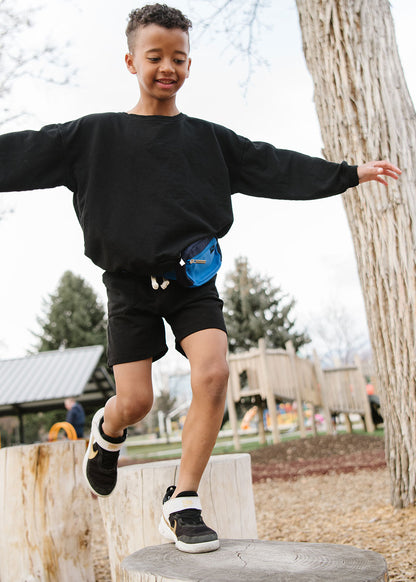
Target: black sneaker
[182,523]
[100,460]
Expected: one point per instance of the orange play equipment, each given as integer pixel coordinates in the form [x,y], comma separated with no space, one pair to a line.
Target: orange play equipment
[66,426]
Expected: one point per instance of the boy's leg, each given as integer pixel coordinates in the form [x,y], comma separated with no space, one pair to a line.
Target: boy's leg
[206,351]
[181,517]
[133,400]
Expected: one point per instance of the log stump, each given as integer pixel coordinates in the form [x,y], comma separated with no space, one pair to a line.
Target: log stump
[45,514]
[256,561]
[132,513]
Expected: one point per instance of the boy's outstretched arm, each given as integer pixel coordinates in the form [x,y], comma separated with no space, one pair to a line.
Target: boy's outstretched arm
[376,171]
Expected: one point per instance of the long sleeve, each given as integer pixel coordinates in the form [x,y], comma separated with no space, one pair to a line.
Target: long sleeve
[145,187]
[32,160]
[260,169]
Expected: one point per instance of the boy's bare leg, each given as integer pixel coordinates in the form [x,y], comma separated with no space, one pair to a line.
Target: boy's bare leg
[133,400]
[134,397]
[206,351]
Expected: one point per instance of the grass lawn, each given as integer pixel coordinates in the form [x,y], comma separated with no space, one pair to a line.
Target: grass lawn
[161,449]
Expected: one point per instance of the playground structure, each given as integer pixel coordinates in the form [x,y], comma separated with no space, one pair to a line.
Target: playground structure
[66,427]
[276,374]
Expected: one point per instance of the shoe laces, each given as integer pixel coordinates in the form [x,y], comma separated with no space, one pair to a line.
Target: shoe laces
[189,516]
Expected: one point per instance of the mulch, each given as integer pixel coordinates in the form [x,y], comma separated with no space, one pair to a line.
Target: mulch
[325,489]
[321,455]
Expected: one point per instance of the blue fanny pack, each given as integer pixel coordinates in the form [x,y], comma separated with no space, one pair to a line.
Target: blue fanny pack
[198,263]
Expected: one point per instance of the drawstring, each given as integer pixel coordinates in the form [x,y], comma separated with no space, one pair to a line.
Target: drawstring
[156,285]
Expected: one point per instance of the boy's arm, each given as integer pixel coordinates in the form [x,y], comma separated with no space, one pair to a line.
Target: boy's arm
[266,171]
[31,160]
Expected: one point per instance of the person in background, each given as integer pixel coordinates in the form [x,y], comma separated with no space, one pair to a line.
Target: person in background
[75,416]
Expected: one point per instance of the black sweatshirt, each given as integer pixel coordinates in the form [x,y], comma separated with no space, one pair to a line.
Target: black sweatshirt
[147,186]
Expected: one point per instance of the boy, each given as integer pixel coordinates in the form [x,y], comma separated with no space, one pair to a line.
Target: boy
[147,184]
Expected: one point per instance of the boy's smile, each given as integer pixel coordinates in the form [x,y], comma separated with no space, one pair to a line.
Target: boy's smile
[160,61]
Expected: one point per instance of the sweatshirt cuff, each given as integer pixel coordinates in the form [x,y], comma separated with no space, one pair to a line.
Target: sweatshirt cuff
[352,175]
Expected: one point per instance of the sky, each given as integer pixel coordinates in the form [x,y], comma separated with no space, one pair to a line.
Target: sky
[305,247]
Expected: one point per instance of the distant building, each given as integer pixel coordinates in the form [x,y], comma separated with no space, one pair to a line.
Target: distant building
[43,381]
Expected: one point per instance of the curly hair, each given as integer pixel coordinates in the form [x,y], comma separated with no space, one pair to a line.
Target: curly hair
[159,14]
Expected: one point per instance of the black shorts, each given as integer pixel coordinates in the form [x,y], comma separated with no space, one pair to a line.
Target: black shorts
[136,311]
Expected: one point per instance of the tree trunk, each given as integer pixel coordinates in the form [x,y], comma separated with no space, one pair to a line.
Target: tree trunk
[248,560]
[45,514]
[366,113]
[131,514]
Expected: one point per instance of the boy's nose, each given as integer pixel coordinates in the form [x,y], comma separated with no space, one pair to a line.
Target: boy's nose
[166,65]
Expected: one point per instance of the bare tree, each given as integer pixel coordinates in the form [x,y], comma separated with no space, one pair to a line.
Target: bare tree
[19,58]
[337,337]
[21,55]
[366,113]
[241,34]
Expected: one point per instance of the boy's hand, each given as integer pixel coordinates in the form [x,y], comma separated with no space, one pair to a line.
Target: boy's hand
[375,171]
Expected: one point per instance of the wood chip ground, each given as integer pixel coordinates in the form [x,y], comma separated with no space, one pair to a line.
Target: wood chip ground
[331,489]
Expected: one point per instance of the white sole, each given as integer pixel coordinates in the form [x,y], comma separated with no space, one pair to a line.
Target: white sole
[201,548]
[94,425]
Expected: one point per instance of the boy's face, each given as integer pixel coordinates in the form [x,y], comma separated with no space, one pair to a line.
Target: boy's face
[160,60]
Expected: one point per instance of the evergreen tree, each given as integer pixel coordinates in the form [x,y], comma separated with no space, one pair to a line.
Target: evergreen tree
[73,316]
[254,309]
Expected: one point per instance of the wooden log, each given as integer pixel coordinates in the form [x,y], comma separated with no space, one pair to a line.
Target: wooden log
[323,392]
[132,513]
[348,423]
[368,419]
[313,421]
[256,561]
[270,397]
[45,514]
[260,417]
[298,388]
[232,412]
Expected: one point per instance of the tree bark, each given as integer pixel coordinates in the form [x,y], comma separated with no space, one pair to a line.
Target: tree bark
[245,560]
[131,514]
[366,113]
[45,514]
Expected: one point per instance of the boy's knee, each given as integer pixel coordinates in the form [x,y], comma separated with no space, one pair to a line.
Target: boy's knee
[133,410]
[213,380]
[221,375]
[217,374]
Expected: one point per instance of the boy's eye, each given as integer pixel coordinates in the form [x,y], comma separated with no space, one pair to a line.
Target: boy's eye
[157,59]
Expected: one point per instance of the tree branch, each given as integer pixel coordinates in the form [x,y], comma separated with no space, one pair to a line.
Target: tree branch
[18,60]
[241,23]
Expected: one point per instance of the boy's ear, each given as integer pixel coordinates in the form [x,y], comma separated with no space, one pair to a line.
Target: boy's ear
[128,59]
[189,66]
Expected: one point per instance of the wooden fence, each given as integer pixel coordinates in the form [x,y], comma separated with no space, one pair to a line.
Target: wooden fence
[276,374]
